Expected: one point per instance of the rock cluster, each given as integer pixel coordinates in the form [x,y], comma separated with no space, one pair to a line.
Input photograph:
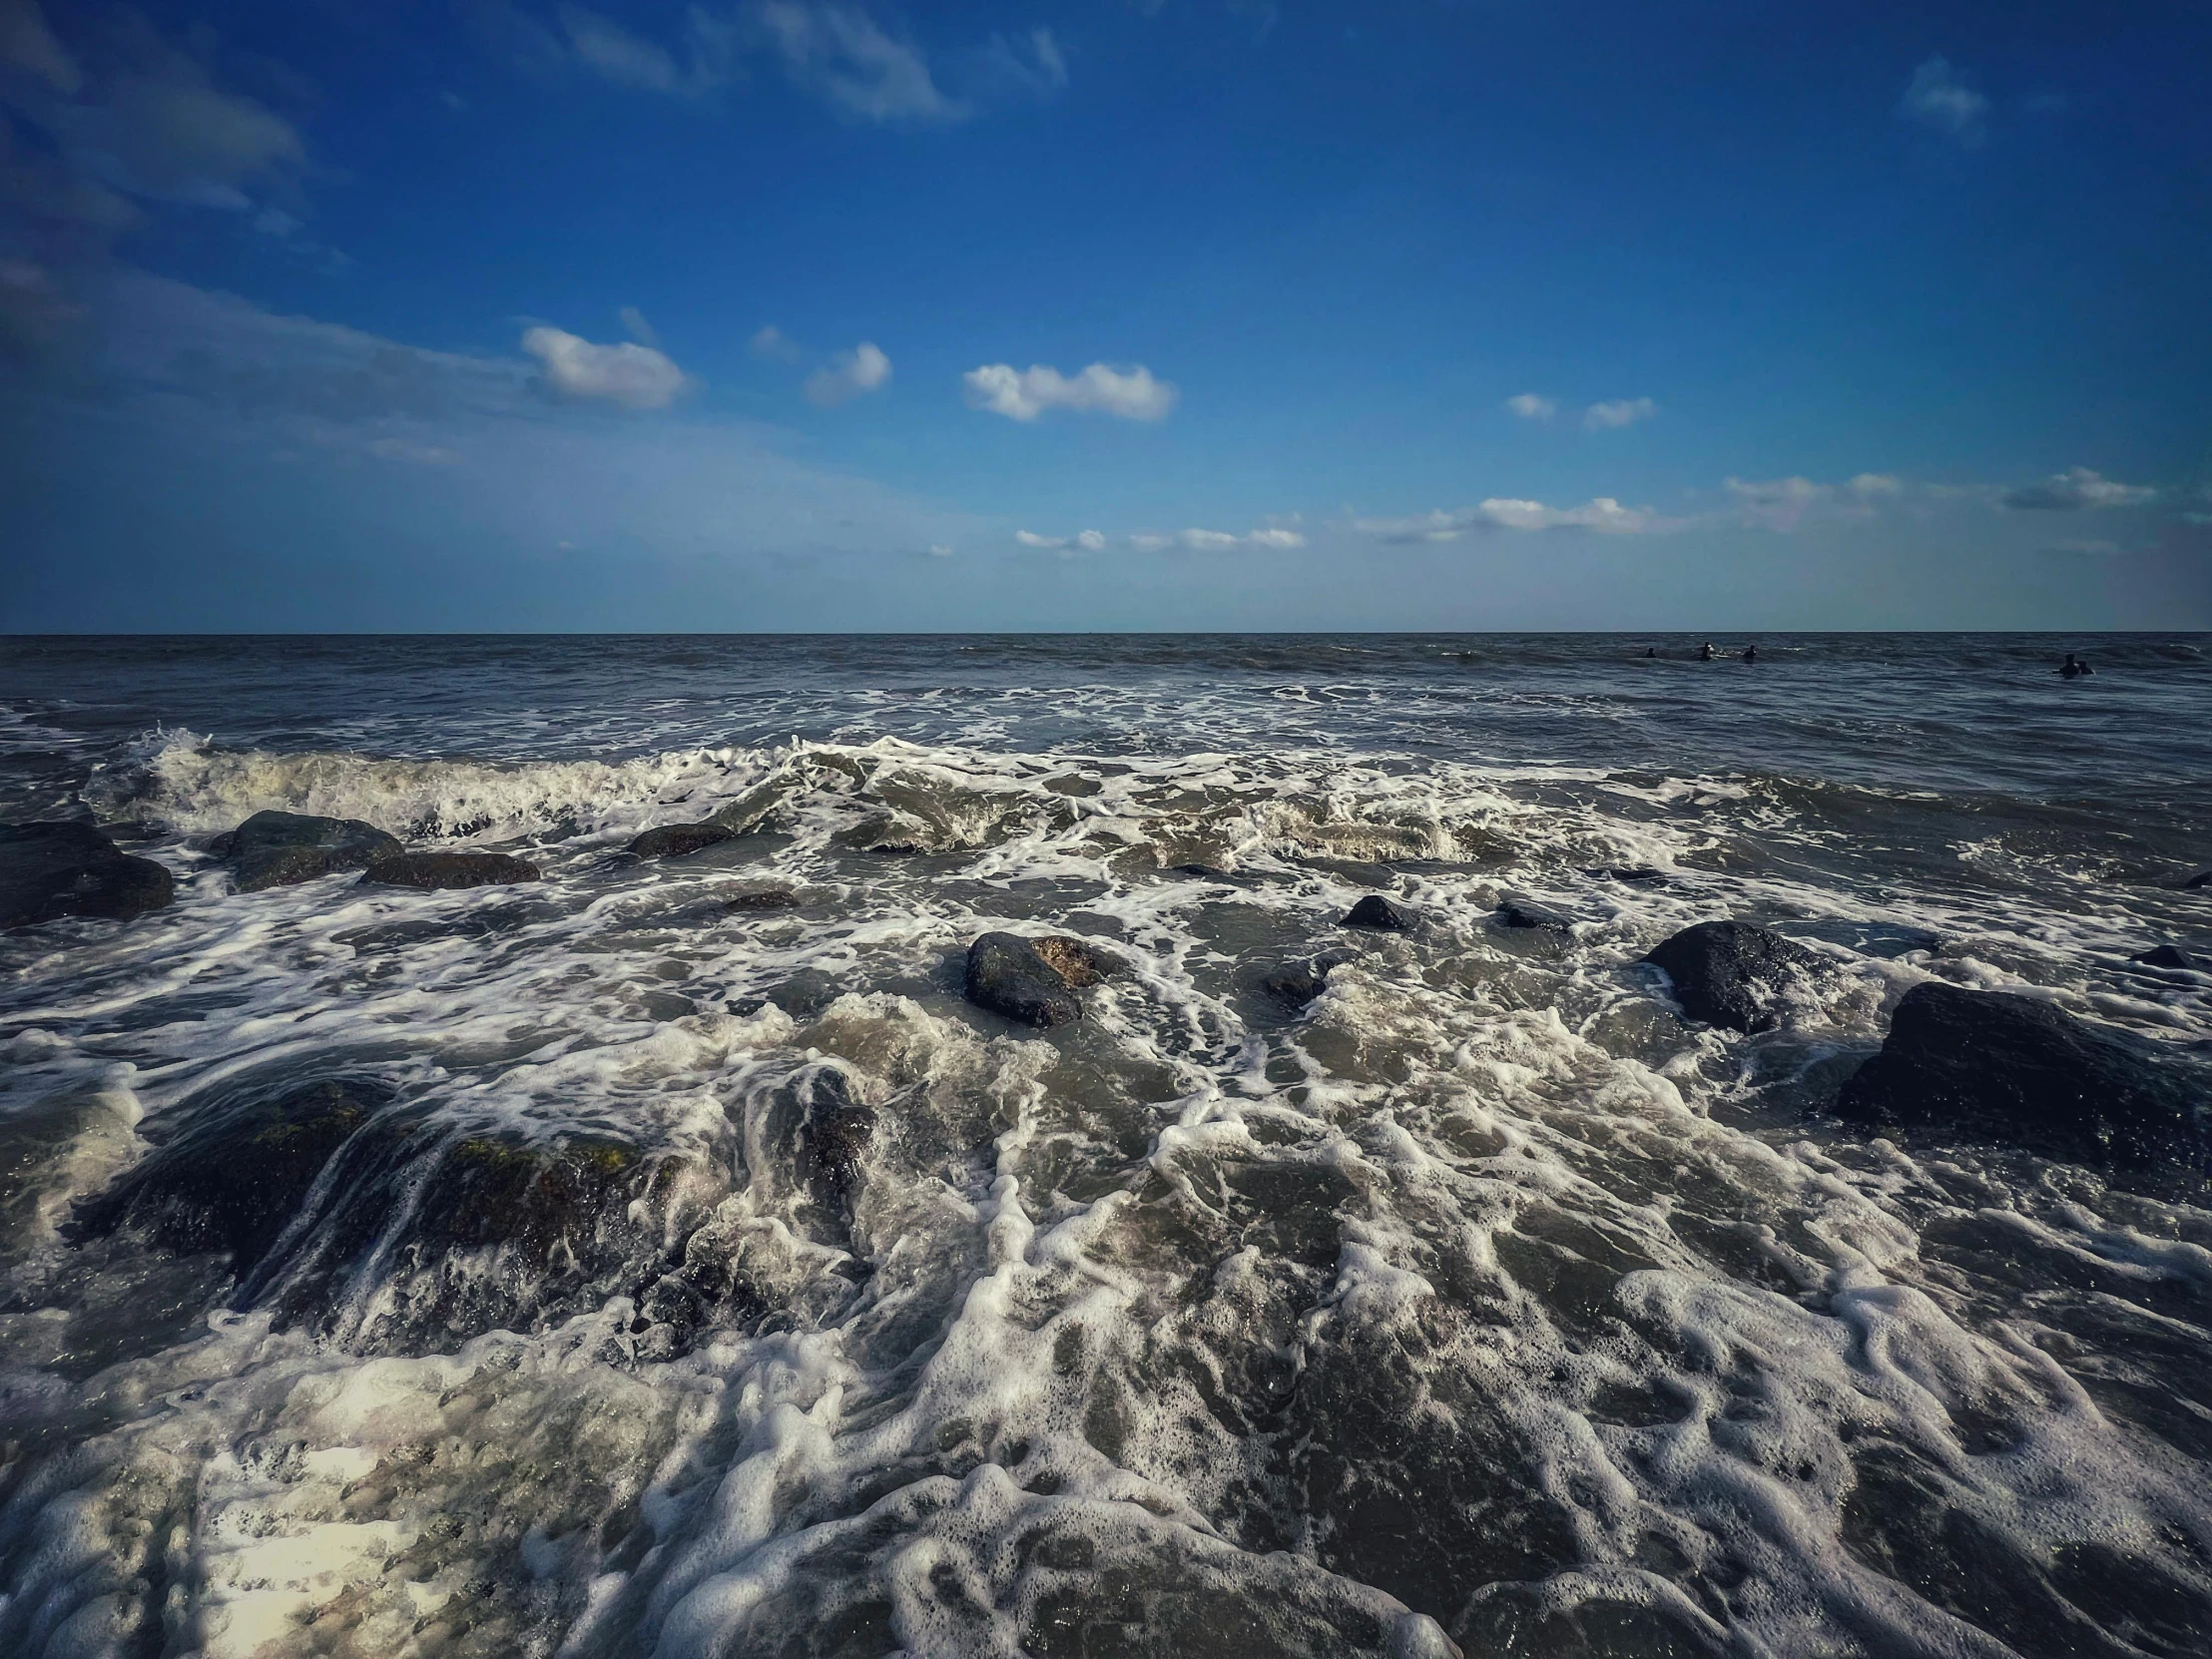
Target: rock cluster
[49,870]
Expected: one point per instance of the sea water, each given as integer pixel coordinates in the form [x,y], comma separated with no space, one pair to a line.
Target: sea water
[1480,1304]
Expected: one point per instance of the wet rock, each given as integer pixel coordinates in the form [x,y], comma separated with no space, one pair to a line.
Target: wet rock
[676,841]
[1079,961]
[236,1175]
[767,898]
[1642,875]
[1008,976]
[280,849]
[2000,1066]
[1379,912]
[2203,878]
[1730,973]
[448,870]
[49,870]
[2170,956]
[1298,984]
[1526,912]
[835,1133]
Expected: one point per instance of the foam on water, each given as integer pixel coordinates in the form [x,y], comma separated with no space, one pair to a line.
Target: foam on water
[1480,1303]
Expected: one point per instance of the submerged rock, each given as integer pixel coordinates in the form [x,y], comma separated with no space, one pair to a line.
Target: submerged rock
[2001,1066]
[280,849]
[1298,984]
[766,898]
[835,1133]
[448,870]
[1010,975]
[1642,875]
[2169,956]
[236,1175]
[2202,878]
[49,870]
[1379,912]
[675,840]
[1524,912]
[1730,973]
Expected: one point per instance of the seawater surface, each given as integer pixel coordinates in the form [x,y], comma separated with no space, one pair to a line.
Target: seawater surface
[1483,1305]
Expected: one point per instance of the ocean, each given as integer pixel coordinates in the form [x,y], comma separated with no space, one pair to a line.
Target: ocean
[666,1257]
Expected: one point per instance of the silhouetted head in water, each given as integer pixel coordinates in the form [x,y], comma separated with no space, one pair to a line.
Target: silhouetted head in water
[1651,650]
[1705,652]
[1750,652]
[2070,667]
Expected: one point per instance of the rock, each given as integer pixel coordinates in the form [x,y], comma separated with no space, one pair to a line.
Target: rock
[676,841]
[448,870]
[835,1132]
[2169,956]
[1642,875]
[49,870]
[1523,912]
[1729,974]
[2016,1069]
[1008,976]
[1079,961]
[770,899]
[1298,984]
[236,1175]
[1377,911]
[2202,878]
[280,849]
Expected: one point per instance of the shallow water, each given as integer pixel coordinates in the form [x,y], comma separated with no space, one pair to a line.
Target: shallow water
[1481,1302]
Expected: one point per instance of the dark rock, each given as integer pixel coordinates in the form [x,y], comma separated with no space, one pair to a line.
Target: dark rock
[1642,875]
[1007,975]
[1523,912]
[1998,1065]
[2202,878]
[279,849]
[2170,956]
[448,870]
[49,870]
[1205,872]
[236,1175]
[1298,984]
[770,899]
[675,840]
[1730,974]
[1079,961]
[835,1133]
[1377,911]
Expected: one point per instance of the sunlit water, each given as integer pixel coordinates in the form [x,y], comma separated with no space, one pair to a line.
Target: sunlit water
[1481,1302]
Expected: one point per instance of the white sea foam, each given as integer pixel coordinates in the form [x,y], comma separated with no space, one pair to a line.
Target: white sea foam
[1479,1296]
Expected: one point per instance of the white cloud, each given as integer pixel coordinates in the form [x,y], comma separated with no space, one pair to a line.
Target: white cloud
[1222,541]
[1032,65]
[1532,405]
[1620,411]
[1777,504]
[2076,489]
[1868,485]
[635,325]
[617,54]
[772,341]
[848,374]
[1937,97]
[938,550]
[1084,541]
[1132,394]
[1600,513]
[842,56]
[634,377]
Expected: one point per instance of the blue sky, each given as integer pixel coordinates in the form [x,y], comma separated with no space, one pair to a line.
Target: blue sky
[788,313]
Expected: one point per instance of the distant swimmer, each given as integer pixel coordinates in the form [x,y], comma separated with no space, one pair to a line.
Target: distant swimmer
[1705,652]
[1651,650]
[1750,652]
[2073,668]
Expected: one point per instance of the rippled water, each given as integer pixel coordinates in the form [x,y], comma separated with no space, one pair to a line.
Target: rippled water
[1483,1303]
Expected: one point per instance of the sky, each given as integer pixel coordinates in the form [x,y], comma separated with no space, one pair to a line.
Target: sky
[1163,314]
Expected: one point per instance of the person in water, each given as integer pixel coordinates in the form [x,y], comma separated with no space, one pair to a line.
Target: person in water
[1651,650]
[1750,652]
[1705,652]
[2074,669]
